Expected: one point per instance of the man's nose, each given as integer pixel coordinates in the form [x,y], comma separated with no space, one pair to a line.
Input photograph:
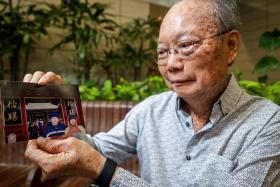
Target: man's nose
[174,63]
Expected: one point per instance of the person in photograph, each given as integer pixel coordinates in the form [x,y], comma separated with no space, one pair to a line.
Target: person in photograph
[54,126]
[39,123]
[33,130]
[73,126]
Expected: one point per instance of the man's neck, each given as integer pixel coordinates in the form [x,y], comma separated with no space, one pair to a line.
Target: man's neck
[200,108]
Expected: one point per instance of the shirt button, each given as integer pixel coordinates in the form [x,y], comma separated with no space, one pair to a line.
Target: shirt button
[188,158]
[187,124]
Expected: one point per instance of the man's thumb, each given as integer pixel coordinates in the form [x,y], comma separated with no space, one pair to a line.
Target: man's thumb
[50,145]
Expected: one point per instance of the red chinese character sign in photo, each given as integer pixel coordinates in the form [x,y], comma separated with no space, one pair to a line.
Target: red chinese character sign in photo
[12,111]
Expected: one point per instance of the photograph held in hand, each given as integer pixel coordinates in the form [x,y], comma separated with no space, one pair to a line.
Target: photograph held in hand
[29,111]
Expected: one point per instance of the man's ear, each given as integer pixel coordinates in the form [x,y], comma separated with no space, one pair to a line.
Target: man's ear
[233,44]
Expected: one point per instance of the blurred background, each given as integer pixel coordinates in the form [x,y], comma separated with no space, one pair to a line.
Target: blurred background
[100,44]
[108,47]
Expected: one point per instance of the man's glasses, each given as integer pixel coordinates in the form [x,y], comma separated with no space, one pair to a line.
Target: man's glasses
[184,50]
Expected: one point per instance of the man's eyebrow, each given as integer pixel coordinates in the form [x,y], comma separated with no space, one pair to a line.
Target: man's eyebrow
[180,35]
[160,43]
[187,34]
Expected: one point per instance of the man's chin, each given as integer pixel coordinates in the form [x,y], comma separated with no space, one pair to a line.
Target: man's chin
[185,91]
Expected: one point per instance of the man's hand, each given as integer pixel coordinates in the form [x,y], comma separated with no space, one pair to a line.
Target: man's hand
[42,78]
[69,156]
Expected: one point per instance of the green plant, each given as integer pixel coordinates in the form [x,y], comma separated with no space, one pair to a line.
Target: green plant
[112,63]
[21,25]
[133,91]
[139,42]
[127,91]
[89,93]
[87,27]
[135,47]
[271,42]
[269,91]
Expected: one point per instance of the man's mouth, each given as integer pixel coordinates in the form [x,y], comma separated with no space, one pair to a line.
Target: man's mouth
[180,81]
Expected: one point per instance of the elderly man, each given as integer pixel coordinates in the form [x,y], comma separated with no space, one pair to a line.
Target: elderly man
[205,132]
[54,127]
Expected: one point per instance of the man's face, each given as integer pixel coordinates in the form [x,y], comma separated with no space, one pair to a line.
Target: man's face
[54,120]
[205,70]
[73,121]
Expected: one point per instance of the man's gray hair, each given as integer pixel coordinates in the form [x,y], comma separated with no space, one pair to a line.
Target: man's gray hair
[226,14]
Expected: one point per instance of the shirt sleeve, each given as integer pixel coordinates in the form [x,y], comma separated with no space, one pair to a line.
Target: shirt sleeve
[123,178]
[259,164]
[120,143]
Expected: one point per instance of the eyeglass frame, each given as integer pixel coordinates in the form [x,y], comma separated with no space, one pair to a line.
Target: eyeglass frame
[192,44]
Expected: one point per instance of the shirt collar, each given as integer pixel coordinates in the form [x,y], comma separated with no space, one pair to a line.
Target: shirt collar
[223,105]
[231,95]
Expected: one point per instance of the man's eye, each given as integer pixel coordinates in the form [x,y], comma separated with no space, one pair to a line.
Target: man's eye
[186,49]
[162,53]
[185,45]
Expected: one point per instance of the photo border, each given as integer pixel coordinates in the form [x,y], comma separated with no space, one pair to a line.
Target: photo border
[23,91]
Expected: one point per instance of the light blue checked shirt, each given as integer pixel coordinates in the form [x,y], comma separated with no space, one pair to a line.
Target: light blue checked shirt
[239,146]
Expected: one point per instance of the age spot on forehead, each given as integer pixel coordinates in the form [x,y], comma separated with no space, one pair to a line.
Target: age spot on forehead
[189,18]
[207,25]
[200,14]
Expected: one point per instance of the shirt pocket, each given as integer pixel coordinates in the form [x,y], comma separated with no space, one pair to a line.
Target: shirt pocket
[218,162]
[206,170]
[213,170]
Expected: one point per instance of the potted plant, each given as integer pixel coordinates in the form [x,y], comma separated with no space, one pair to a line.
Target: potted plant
[87,26]
[21,25]
[269,41]
[135,46]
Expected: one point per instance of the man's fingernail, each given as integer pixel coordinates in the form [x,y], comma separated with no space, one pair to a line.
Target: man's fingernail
[40,139]
[41,81]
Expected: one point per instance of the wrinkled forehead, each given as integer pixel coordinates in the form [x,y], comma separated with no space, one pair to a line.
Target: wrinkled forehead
[188,18]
